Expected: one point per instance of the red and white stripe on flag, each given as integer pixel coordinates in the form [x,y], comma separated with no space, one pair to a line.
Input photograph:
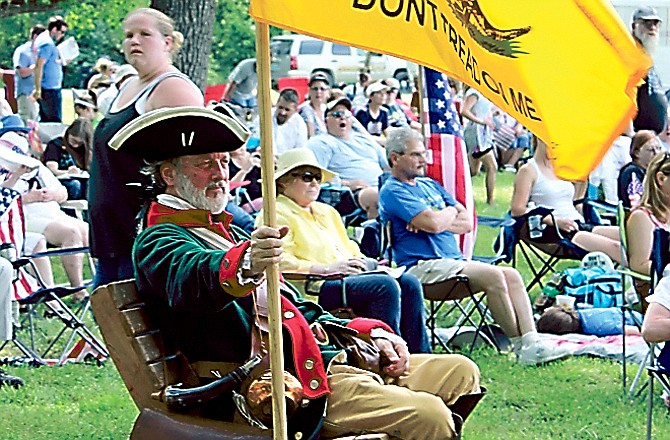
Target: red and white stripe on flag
[13,230]
[447,155]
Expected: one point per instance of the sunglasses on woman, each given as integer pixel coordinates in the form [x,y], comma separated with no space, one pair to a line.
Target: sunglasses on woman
[308,176]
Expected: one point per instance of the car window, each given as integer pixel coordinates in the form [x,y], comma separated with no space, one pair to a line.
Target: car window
[361,52]
[339,49]
[310,47]
[280,47]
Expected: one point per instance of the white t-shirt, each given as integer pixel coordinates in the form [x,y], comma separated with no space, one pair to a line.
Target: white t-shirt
[291,134]
[662,290]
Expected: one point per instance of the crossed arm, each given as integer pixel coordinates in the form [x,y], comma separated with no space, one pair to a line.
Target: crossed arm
[454,219]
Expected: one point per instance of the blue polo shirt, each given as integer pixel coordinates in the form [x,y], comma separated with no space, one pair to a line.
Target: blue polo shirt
[23,57]
[52,74]
[399,203]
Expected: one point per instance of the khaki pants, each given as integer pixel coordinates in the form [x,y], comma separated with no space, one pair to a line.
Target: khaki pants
[28,108]
[414,407]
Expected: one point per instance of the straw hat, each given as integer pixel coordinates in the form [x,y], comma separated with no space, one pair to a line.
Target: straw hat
[102,63]
[124,70]
[299,157]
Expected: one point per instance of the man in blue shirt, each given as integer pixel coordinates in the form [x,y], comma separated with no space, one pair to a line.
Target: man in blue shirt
[24,63]
[357,159]
[48,73]
[424,219]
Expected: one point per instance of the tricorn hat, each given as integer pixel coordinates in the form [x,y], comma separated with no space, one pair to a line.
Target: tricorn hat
[167,133]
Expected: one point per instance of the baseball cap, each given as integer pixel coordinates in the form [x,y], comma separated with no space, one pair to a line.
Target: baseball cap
[375,87]
[335,102]
[646,13]
[318,76]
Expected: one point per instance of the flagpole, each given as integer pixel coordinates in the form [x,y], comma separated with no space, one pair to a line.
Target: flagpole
[279,430]
[420,88]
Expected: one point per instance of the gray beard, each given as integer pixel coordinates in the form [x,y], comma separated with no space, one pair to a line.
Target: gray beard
[650,43]
[198,197]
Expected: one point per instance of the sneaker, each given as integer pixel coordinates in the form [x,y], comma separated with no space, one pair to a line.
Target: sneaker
[509,169]
[541,352]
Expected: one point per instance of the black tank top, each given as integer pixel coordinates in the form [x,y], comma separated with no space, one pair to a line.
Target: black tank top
[112,204]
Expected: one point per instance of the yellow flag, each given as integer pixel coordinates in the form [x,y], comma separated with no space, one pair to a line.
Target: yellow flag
[566,69]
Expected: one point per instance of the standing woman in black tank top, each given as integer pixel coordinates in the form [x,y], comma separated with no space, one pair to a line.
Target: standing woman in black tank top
[150,43]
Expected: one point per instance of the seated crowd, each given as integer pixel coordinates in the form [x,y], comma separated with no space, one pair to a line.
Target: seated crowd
[377,151]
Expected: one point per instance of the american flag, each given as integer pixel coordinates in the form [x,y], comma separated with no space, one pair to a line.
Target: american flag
[13,231]
[447,158]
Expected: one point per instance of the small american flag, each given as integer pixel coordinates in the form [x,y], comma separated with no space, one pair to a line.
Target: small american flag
[448,159]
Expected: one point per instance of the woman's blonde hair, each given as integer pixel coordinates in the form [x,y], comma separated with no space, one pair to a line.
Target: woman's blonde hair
[652,197]
[165,26]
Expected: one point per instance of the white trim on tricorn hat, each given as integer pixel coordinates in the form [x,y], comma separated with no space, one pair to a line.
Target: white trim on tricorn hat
[167,133]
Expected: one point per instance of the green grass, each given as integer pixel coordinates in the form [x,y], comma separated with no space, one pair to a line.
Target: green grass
[578,398]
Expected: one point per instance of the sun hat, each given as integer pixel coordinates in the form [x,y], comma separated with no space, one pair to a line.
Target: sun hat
[12,123]
[13,139]
[102,63]
[375,87]
[298,157]
[10,159]
[167,133]
[124,70]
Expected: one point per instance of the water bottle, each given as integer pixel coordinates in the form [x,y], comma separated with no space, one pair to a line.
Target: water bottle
[535,226]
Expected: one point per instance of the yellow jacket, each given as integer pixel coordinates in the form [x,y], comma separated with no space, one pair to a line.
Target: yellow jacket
[316,238]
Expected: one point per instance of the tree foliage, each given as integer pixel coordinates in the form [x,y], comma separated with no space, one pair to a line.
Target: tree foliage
[233,40]
[95,24]
[97,27]
[195,21]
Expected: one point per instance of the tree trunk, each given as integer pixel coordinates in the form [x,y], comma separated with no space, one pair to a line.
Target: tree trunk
[195,20]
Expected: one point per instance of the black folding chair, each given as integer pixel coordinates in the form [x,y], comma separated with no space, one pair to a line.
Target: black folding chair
[43,338]
[657,369]
[541,246]
[454,300]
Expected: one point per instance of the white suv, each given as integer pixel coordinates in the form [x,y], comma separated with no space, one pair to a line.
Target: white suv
[296,55]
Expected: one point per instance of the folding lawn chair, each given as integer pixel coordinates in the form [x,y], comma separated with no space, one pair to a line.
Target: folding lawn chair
[658,366]
[343,200]
[628,304]
[541,246]
[31,294]
[454,300]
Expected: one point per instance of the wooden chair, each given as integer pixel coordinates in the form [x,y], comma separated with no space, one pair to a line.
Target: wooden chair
[138,351]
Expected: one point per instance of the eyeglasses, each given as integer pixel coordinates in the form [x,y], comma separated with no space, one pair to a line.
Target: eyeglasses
[308,176]
[340,114]
[416,154]
[318,89]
